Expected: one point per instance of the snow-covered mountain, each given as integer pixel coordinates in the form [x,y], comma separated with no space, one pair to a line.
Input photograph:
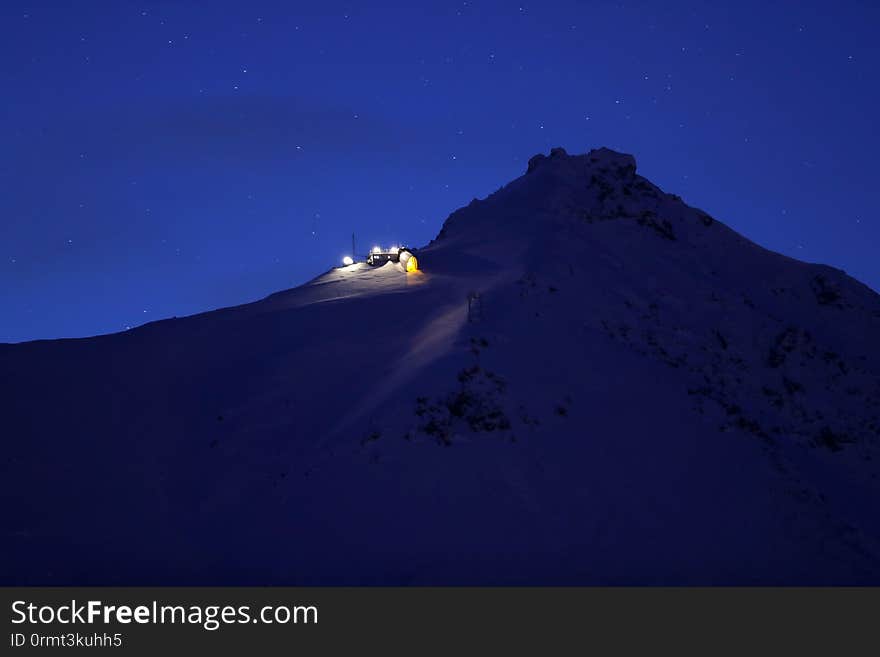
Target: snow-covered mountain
[589,382]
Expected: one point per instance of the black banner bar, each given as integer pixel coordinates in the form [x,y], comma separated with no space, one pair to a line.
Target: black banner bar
[417,620]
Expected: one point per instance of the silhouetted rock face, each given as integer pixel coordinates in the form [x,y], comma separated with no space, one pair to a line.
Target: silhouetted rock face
[602,159]
[535,162]
[612,158]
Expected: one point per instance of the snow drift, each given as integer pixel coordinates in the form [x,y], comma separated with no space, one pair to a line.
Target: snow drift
[644,397]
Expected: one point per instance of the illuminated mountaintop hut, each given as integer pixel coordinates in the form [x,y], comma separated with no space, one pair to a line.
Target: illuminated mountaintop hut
[404,256]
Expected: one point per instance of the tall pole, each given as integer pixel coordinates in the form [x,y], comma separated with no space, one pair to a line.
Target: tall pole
[353,252]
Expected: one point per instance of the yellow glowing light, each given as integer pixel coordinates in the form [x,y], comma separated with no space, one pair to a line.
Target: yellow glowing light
[347,260]
[412,264]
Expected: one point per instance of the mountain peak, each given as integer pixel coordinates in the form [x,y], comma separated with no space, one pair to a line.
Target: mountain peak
[602,157]
[597,185]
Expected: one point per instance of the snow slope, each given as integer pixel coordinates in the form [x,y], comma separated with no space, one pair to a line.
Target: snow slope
[646,397]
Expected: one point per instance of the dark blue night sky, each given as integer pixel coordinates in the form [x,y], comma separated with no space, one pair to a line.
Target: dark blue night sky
[161,159]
